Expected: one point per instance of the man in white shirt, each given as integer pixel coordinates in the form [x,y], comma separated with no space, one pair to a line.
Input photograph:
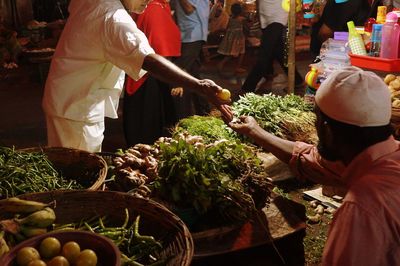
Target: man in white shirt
[273,21]
[99,43]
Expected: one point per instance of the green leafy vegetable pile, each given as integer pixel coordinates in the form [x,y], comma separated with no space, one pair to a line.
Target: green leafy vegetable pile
[225,177]
[288,117]
[209,127]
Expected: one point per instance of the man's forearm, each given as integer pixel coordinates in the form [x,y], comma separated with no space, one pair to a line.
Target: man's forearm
[281,148]
[164,70]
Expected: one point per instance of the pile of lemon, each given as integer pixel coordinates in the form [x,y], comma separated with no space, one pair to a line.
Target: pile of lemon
[51,253]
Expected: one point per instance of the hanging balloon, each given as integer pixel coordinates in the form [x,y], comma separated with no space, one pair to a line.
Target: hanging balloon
[311,78]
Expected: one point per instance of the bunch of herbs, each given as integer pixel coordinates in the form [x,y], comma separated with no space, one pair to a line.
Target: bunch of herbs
[210,178]
[288,117]
[209,127]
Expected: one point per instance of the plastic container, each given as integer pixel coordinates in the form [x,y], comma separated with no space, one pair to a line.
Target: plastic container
[381,14]
[369,24]
[390,37]
[308,8]
[356,42]
[375,63]
[341,36]
[376,39]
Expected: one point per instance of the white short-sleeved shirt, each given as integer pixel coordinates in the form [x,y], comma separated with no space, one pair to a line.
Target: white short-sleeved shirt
[100,41]
[272,11]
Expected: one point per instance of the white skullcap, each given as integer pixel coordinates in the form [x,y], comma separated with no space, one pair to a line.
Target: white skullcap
[354,96]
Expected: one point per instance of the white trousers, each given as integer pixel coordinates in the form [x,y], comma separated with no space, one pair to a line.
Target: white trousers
[80,135]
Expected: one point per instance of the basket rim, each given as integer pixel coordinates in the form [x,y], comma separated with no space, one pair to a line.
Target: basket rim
[188,249]
[102,173]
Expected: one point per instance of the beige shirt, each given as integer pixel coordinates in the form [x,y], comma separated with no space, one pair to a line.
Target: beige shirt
[99,40]
[366,229]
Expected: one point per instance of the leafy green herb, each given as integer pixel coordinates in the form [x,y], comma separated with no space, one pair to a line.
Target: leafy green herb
[217,177]
[288,117]
[209,127]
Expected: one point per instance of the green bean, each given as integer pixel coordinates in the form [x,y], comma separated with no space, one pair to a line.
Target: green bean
[29,172]
[135,248]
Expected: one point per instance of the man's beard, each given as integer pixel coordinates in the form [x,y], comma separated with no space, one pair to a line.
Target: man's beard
[326,153]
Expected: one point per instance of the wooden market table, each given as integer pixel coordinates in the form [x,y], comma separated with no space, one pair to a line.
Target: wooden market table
[274,236]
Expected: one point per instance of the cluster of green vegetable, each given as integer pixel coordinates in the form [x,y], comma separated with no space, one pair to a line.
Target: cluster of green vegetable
[288,117]
[136,249]
[209,127]
[224,178]
[22,219]
[26,172]
[27,219]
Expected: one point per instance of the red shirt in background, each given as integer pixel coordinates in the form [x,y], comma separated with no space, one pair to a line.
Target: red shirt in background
[163,34]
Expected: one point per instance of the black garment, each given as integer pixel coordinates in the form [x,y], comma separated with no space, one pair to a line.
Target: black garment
[190,103]
[50,10]
[149,113]
[374,8]
[272,48]
[336,16]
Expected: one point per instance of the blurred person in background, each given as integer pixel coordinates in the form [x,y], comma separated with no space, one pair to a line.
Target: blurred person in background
[100,41]
[334,18]
[148,108]
[10,48]
[233,43]
[218,19]
[357,152]
[273,21]
[192,19]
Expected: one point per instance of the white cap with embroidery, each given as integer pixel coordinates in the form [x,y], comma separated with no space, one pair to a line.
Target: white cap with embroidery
[354,96]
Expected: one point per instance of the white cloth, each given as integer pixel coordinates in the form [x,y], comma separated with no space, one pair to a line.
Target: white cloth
[74,134]
[271,11]
[356,97]
[99,39]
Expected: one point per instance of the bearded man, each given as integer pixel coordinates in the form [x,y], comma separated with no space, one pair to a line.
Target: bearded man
[356,151]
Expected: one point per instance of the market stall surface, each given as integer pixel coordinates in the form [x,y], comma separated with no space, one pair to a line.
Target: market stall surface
[23,125]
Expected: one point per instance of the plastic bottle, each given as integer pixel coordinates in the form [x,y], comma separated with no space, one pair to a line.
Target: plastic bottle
[390,37]
[356,42]
[376,38]
[396,41]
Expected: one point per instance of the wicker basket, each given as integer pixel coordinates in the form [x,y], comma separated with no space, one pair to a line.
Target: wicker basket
[89,169]
[395,115]
[395,119]
[75,205]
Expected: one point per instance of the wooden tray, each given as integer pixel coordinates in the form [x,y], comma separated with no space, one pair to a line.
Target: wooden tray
[395,115]
[280,218]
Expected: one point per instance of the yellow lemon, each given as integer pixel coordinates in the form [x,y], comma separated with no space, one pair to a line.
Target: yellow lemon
[224,95]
